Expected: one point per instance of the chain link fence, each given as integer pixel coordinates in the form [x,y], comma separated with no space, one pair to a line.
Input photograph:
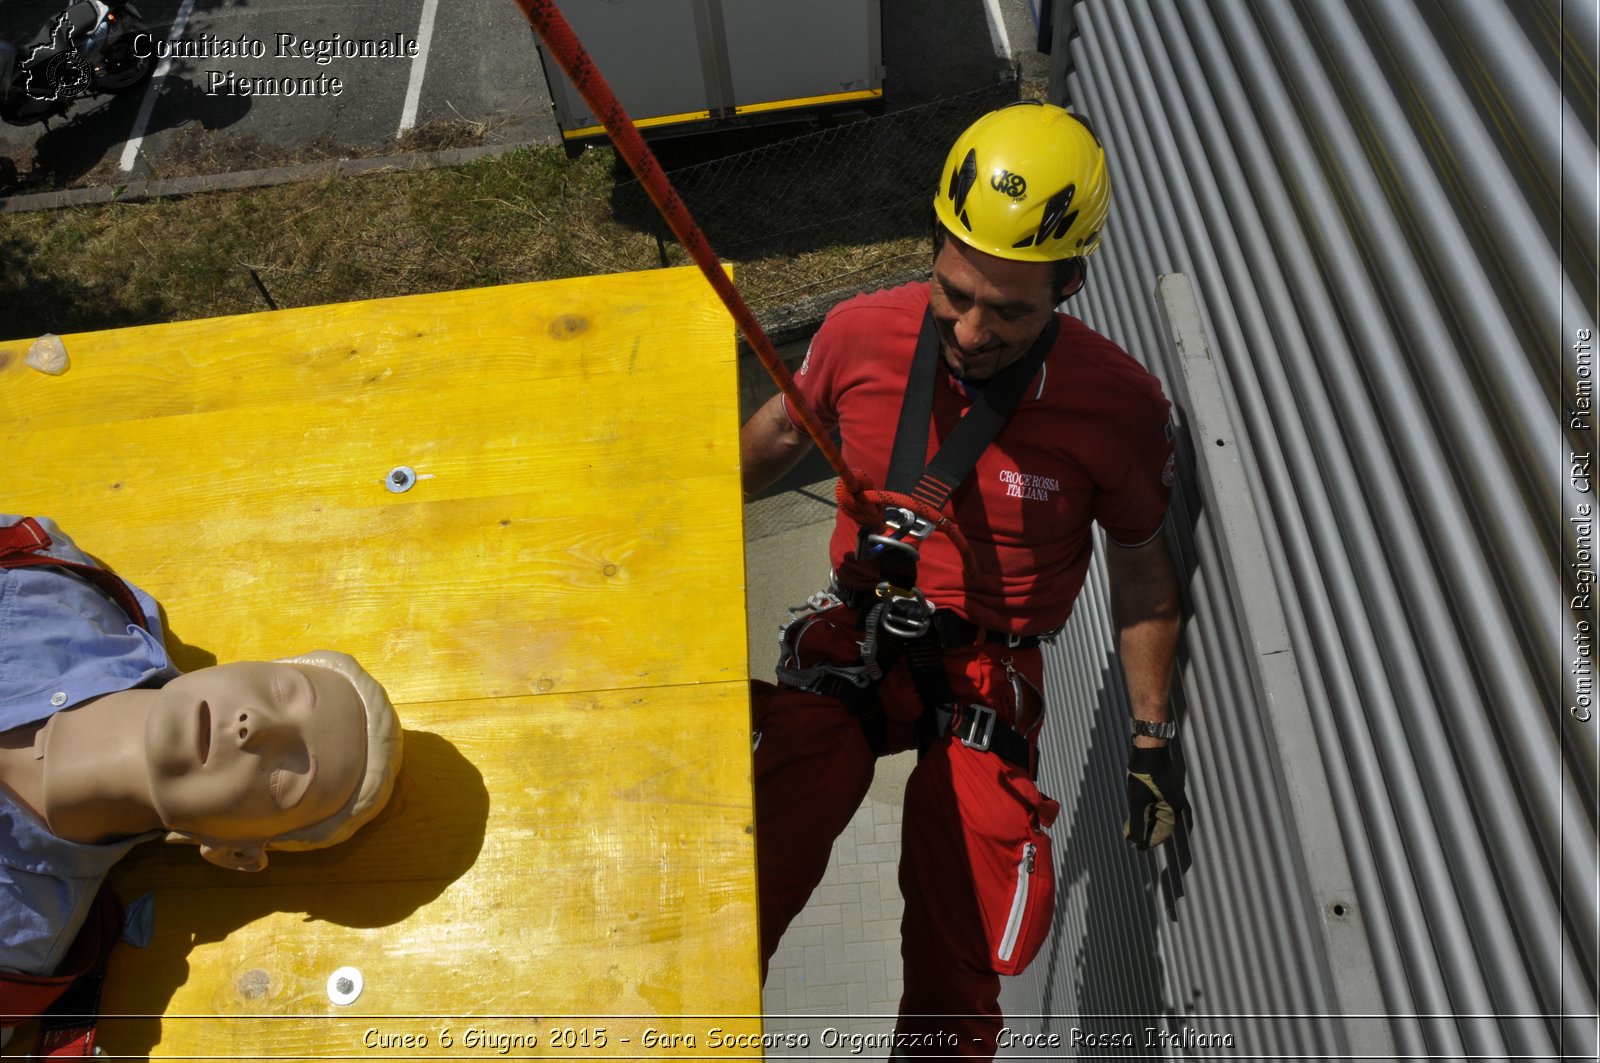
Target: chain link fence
[804,220]
[815,218]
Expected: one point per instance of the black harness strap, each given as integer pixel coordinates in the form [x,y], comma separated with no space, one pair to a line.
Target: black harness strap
[934,483]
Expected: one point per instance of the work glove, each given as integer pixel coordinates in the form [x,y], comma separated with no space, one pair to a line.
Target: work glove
[1155,796]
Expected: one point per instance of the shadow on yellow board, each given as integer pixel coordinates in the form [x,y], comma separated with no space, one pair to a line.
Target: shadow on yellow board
[555,603]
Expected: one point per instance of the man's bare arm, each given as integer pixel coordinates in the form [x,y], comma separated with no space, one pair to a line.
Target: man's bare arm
[769,446]
[1145,613]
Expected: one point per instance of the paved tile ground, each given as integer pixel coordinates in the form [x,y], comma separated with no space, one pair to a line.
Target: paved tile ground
[838,966]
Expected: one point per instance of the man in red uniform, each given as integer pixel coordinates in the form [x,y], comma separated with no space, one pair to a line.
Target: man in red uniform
[952,667]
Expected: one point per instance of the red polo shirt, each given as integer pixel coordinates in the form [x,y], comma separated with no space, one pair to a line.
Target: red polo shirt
[1090,441]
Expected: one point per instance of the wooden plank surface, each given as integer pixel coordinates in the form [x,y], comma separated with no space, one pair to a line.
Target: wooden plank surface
[556,607]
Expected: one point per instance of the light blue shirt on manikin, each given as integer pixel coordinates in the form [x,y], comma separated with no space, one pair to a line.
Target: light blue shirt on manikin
[63,641]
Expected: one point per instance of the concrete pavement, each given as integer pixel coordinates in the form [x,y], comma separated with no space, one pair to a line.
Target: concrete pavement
[839,964]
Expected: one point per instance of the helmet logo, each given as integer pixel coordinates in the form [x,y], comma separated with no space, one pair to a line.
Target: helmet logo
[1008,183]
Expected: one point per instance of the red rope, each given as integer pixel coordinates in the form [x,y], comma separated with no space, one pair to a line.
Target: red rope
[854,495]
[586,77]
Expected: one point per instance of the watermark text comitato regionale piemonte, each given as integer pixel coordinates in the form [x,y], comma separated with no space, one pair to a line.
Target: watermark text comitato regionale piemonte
[290,47]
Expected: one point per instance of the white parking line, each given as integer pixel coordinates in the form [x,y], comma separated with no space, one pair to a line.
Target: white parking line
[130,150]
[997,28]
[419,66]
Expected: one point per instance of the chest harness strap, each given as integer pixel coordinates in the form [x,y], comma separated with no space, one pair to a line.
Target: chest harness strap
[901,620]
[68,1001]
[20,546]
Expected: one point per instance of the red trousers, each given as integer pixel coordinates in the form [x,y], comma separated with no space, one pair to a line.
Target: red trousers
[975,865]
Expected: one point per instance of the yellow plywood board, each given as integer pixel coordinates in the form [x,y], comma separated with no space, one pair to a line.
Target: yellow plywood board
[556,607]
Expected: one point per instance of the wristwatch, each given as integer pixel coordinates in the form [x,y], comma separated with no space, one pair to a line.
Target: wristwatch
[1151,729]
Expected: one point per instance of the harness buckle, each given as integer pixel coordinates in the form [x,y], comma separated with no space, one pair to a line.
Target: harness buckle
[980,732]
[820,602]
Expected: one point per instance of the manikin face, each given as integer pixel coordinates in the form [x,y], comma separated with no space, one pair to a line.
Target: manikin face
[241,753]
[988,310]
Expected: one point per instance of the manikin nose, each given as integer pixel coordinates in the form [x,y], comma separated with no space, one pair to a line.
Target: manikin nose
[255,727]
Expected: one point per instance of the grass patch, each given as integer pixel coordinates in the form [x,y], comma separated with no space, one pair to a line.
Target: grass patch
[331,240]
[530,214]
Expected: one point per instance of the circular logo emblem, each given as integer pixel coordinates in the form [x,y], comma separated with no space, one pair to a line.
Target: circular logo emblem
[63,77]
[1010,184]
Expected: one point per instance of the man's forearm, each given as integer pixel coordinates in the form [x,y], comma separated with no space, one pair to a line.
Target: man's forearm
[769,446]
[1145,611]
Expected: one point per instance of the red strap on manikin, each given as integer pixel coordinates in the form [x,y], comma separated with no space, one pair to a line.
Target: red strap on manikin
[20,544]
[67,1002]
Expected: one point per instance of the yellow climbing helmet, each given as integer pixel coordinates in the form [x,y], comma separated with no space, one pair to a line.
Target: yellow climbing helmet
[1026,182]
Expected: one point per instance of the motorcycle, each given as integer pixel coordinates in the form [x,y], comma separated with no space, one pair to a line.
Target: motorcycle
[89,50]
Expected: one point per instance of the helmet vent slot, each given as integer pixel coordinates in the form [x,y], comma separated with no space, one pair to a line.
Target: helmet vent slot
[962,180]
[1058,218]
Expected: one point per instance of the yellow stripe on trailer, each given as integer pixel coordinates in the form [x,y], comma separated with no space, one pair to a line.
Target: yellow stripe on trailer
[642,123]
[811,101]
[798,103]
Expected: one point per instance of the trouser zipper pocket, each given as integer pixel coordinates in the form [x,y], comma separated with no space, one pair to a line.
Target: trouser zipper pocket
[1019,903]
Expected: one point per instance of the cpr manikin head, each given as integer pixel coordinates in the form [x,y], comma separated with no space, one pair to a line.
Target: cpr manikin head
[290,754]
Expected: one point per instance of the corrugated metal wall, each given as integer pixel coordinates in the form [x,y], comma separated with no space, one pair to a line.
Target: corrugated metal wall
[1387,214]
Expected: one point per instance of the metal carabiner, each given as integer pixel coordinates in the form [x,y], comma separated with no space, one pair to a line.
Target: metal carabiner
[902,522]
[881,543]
[903,531]
[906,614]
